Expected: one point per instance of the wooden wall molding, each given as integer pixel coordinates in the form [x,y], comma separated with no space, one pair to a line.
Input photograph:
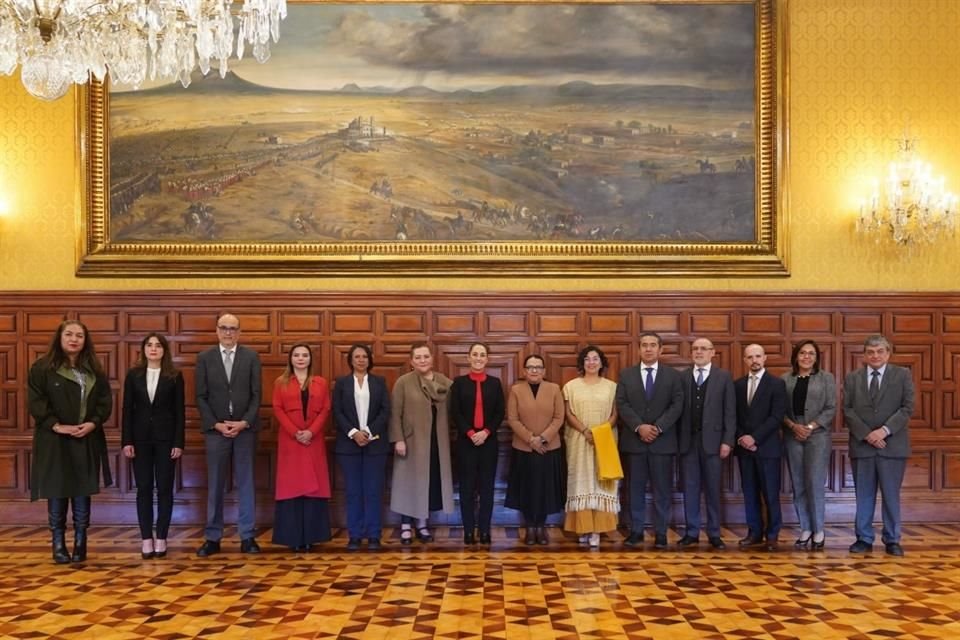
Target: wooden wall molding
[925,329]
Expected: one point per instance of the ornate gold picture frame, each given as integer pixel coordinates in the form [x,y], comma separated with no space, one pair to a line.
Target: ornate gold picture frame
[588,147]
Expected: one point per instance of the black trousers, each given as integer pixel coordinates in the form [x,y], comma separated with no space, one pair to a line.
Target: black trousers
[478,470]
[152,467]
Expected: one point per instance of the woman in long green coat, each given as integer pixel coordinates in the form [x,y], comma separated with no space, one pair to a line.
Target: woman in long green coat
[70,399]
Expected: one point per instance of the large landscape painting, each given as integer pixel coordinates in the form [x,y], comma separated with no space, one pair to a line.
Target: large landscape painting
[381,125]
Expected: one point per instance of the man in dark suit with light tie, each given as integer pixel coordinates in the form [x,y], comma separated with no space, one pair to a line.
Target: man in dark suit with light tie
[228,397]
[708,430]
[649,402]
[877,405]
[761,405]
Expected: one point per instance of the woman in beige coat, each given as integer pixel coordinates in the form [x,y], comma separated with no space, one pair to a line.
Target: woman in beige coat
[538,474]
[420,433]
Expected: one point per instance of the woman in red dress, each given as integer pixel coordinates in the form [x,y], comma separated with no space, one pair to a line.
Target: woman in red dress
[301,405]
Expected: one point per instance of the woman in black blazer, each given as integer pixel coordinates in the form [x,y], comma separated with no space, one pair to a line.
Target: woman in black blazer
[477,408]
[361,410]
[153,435]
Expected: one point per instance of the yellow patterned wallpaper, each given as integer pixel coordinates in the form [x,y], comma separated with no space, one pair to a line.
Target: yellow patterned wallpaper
[859,72]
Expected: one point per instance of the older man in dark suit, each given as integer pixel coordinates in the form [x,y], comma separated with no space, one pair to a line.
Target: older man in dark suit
[228,397]
[761,405]
[649,402]
[877,405]
[707,435]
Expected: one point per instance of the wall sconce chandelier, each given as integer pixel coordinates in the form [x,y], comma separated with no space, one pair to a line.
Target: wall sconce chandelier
[910,204]
[59,42]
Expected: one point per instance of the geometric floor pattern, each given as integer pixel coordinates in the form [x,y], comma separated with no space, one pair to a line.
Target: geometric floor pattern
[509,591]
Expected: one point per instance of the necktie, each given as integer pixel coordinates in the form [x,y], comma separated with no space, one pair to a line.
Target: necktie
[751,389]
[874,384]
[699,377]
[228,363]
[648,385]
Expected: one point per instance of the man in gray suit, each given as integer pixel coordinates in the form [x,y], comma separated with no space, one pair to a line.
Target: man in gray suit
[877,405]
[228,397]
[708,430]
[649,402]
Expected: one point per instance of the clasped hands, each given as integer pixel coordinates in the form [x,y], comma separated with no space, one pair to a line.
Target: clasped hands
[747,442]
[230,428]
[877,438]
[647,432]
[800,431]
[479,437]
[75,430]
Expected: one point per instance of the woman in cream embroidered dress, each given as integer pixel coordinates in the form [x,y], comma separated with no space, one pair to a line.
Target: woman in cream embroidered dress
[592,504]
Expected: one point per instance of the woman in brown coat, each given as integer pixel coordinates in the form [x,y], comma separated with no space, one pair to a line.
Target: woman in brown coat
[420,433]
[538,474]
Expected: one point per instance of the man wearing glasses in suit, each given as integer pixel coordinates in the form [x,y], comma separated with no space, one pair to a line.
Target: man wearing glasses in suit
[877,405]
[228,397]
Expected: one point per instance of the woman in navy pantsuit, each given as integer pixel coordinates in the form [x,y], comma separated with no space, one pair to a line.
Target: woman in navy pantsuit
[361,410]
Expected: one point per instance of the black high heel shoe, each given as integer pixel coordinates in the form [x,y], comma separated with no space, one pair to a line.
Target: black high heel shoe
[817,546]
[802,543]
[406,535]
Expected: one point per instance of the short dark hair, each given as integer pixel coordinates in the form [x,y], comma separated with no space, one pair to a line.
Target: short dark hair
[795,354]
[583,355]
[651,334]
[531,357]
[366,349]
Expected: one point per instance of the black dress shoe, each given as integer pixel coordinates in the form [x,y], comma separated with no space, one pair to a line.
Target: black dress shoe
[634,539]
[802,543]
[424,535]
[249,545]
[485,537]
[353,544]
[208,548]
[373,544]
[687,541]
[660,542]
[717,543]
[894,549]
[773,544]
[751,541]
[542,536]
[861,546]
[531,537]
[469,538]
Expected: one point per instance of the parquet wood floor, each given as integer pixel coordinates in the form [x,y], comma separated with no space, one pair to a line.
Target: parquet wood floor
[510,591]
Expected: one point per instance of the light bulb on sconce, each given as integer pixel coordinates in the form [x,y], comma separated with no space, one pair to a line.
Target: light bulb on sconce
[909,205]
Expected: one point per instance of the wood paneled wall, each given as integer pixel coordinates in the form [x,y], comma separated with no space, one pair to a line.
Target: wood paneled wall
[924,328]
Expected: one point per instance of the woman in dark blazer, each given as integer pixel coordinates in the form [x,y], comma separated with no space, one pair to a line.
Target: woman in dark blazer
[153,436]
[301,407]
[70,399]
[361,411]
[811,406]
[477,409]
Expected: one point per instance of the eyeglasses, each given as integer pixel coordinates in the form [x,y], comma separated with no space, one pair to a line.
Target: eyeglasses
[535,368]
[220,327]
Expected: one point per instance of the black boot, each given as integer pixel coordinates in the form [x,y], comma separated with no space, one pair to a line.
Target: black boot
[81,520]
[57,516]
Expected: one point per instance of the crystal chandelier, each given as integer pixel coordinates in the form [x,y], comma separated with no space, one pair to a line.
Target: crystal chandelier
[911,205]
[59,42]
